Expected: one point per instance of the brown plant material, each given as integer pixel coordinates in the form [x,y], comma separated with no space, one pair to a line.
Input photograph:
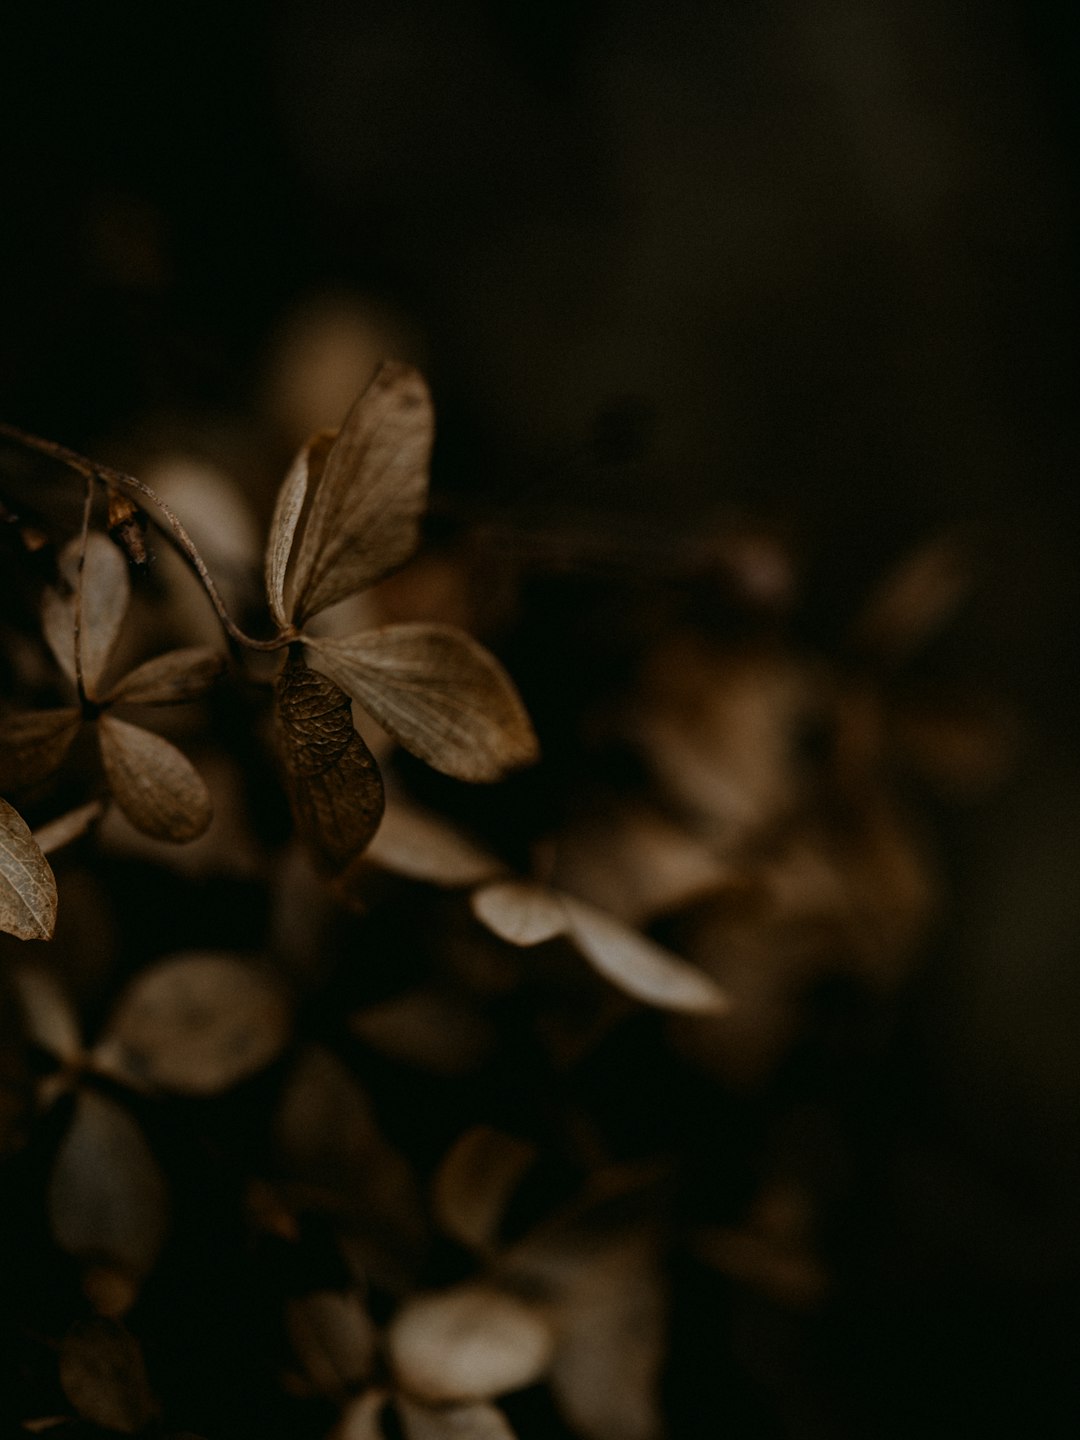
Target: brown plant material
[421,846]
[66,829]
[158,789]
[334,1339]
[452,1422]
[34,743]
[104,1377]
[106,591]
[476,1179]
[27,887]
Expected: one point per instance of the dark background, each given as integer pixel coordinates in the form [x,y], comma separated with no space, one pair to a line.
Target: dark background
[811,258]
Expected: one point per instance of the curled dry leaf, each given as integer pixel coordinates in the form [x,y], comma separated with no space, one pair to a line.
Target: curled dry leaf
[421,846]
[104,1376]
[107,1197]
[452,1422]
[333,782]
[47,1012]
[334,1339]
[195,1024]
[65,829]
[27,886]
[474,1183]
[470,1343]
[520,912]
[439,693]
[170,679]
[106,591]
[33,745]
[365,515]
[309,462]
[156,787]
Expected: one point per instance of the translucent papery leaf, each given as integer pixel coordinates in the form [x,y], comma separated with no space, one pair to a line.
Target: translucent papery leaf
[107,1197]
[49,1015]
[106,591]
[452,1422]
[33,745]
[157,788]
[421,846]
[639,966]
[170,679]
[27,886]
[55,834]
[364,519]
[332,780]
[334,1339]
[438,692]
[195,1024]
[470,1343]
[307,466]
[474,1183]
[520,912]
[104,1377]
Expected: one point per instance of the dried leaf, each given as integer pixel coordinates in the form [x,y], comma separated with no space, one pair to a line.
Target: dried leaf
[47,1011]
[915,599]
[452,1422]
[421,846]
[438,692]
[170,679]
[469,1343]
[104,1376]
[106,591]
[196,1024]
[362,1418]
[27,886]
[364,519]
[639,966]
[474,1183]
[309,464]
[107,1197]
[435,1030]
[520,912]
[33,745]
[334,1339]
[156,787]
[66,828]
[333,782]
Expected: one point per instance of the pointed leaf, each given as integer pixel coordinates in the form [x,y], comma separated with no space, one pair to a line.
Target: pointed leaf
[469,1343]
[334,1339]
[33,745]
[107,1197]
[639,966]
[48,1012]
[452,1422]
[27,886]
[364,519]
[104,1376]
[438,692]
[332,780]
[520,912]
[55,834]
[308,466]
[170,679]
[106,591]
[422,846]
[474,1183]
[156,787]
[195,1024]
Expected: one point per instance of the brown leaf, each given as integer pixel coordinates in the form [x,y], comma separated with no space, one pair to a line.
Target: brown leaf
[334,1339]
[55,834]
[438,692]
[106,591]
[107,1197]
[422,846]
[520,912]
[333,782]
[364,519]
[309,464]
[104,1376]
[156,787]
[170,679]
[428,1027]
[362,1418]
[48,1013]
[915,599]
[27,886]
[33,745]
[475,1181]
[452,1422]
[195,1023]
[469,1343]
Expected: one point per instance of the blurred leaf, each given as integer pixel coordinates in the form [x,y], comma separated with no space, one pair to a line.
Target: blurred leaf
[33,745]
[453,1422]
[364,518]
[107,1197]
[421,846]
[362,1418]
[520,912]
[156,787]
[50,1017]
[438,692]
[195,1024]
[27,886]
[55,834]
[170,679]
[334,1339]
[333,782]
[474,1183]
[308,465]
[915,599]
[104,1376]
[106,591]
[469,1343]
[430,1028]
